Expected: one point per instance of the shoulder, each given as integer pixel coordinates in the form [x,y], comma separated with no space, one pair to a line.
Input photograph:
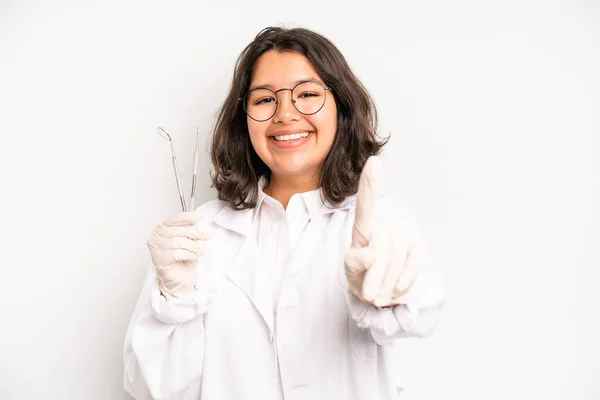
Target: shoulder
[211,208]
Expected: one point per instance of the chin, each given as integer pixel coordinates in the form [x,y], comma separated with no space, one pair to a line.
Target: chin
[293,169]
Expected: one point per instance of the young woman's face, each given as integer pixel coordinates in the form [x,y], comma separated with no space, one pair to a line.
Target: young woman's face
[282,142]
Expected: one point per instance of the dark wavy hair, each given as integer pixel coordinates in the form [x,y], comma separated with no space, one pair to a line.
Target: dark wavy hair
[237,167]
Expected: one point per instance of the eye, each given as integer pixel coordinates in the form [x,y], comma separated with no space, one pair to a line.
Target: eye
[307,94]
[264,100]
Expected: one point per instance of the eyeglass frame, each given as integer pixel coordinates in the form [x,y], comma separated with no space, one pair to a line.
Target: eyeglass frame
[275,92]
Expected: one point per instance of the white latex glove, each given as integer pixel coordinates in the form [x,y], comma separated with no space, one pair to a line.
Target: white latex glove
[175,245]
[383,260]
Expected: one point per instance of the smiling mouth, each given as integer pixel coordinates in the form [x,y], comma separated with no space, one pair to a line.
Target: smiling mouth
[292,137]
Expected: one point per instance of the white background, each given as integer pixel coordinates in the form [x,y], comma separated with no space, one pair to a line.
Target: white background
[493,109]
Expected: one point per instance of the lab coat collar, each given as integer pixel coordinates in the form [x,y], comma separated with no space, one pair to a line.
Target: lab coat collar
[241,221]
[317,206]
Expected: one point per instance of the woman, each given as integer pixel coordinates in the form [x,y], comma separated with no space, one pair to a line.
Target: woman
[298,280]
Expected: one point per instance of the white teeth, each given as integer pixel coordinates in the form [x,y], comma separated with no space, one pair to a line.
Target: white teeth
[292,137]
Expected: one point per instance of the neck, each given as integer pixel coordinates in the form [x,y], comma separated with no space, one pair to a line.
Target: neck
[283,188]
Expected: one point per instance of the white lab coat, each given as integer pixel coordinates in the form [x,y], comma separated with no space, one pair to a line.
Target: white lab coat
[224,344]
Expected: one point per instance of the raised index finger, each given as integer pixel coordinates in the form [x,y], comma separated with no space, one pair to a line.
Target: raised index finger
[369,190]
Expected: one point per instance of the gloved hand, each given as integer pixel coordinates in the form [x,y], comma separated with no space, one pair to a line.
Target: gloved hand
[384,259]
[175,245]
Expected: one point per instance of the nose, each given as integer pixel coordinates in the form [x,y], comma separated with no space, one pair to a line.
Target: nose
[286,112]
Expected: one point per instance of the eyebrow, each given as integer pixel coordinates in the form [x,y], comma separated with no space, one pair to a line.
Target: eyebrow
[267,86]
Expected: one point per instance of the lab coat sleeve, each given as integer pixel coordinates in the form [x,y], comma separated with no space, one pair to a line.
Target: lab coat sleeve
[164,345]
[417,318]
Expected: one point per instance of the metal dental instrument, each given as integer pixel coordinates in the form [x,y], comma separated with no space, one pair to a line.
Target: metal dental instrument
[166,136]
[194,172]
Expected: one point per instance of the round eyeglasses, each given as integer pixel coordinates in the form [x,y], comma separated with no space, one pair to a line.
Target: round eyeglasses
[308,97]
